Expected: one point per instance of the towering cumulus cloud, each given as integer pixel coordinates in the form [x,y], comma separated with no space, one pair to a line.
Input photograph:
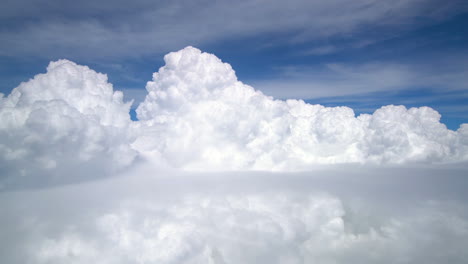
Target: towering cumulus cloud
[205,118]
[197,115]
[64,121]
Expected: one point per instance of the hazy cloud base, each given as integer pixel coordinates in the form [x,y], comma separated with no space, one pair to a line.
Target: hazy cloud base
[151,215]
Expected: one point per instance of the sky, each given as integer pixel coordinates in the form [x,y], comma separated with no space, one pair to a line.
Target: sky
[222,133]
[364,55]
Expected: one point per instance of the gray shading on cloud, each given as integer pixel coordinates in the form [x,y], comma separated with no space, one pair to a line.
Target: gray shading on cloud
[250,218]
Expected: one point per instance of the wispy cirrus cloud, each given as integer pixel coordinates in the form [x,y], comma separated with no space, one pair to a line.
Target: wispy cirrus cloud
[349,79]
[147,27]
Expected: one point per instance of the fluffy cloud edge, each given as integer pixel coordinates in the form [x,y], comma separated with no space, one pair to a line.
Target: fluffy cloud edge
[209,119]
[198,116]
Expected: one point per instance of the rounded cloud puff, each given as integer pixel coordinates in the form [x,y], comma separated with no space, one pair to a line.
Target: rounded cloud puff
[64,121]
[198,115]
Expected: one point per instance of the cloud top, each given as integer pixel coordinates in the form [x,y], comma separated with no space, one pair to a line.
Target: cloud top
[207,118]
[64,121]
[197,115]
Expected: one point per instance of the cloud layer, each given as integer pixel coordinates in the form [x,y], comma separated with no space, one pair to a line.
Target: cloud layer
[196,219]
[262,228]
[197,115]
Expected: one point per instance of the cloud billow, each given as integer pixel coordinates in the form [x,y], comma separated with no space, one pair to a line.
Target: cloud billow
[61,124]
[206,118]
[197,115]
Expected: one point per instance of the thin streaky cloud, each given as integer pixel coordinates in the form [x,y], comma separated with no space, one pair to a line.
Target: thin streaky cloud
[155,27]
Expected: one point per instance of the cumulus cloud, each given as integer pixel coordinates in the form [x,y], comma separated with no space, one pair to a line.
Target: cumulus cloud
[66,120]
[197,115]
[206,118]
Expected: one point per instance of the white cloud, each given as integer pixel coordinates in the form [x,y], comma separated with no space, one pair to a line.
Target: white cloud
[190,218]
[197,115]
[205,118]
[62,123]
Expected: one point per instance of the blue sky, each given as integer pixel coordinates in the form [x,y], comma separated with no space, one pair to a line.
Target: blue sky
[362,54]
